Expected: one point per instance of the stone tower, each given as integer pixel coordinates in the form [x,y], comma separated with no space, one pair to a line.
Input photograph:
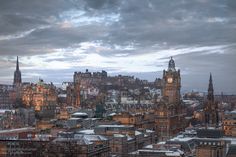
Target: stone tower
[211,108]
[17,75]
[170,113]
[171,83]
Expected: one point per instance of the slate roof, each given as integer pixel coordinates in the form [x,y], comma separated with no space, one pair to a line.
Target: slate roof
[232,151]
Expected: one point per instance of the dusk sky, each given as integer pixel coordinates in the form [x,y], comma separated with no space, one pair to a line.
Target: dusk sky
[54,38]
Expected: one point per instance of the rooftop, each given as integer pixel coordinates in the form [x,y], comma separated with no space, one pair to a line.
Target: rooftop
[209,133]
[82,139]
[80,114]
[17,130]
[115,126]
[232,150]
[88,132]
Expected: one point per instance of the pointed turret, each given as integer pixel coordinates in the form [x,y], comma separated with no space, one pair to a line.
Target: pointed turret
[171,65]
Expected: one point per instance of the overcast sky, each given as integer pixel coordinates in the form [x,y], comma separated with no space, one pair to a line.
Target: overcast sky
[54,38]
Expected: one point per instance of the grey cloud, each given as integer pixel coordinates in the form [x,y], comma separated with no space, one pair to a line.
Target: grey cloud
[150,25]
[199,66]
[232,5]
[102,4]
[139,23]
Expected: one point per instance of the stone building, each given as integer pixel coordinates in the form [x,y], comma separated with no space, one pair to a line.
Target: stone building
[10,119]
[211,107]
[229,124]
[158,150]
[84,89]
[171,83]
[79,145]
[17,82]
[6,99]
[170,113]
[22,148]
[17,75]
[21,142]
[124,139]
[41,96]
[73,95]
[211,148]
[210,143]
[17,118]
[139,120]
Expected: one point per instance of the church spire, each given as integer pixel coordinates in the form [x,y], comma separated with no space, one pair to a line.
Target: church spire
[210,95]
[211,108]
[17,73]
[17,64]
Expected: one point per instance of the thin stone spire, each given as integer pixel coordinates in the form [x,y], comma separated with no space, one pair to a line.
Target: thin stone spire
[210,95]
[17,73]
[17,64]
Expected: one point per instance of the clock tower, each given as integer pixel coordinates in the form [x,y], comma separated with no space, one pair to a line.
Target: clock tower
[171,83]
[170,113]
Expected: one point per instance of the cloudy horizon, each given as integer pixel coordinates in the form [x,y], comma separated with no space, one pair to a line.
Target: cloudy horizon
[53,39]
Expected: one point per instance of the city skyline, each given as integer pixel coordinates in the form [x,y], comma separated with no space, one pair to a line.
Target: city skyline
[54,39]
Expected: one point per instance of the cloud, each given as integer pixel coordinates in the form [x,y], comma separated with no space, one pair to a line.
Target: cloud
[118,36]
[76,18]
[21,34]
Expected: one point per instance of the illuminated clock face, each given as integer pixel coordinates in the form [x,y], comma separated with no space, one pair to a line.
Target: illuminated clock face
[170,80]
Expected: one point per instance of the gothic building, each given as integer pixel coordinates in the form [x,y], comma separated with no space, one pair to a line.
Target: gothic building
[17,74]
[170,114]
[211,107]
[17,84]
[41,96]
[171,83]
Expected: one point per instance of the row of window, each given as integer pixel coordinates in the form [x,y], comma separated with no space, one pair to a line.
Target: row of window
[210,143]
[230,123]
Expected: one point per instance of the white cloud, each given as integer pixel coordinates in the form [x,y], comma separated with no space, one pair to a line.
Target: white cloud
[76,18]
[82,56]
[17,35]
[217,20]
[21,34]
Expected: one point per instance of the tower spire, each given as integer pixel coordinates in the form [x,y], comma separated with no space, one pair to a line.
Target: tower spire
[210,95]
[211,108]
[17,63]
[17,73]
